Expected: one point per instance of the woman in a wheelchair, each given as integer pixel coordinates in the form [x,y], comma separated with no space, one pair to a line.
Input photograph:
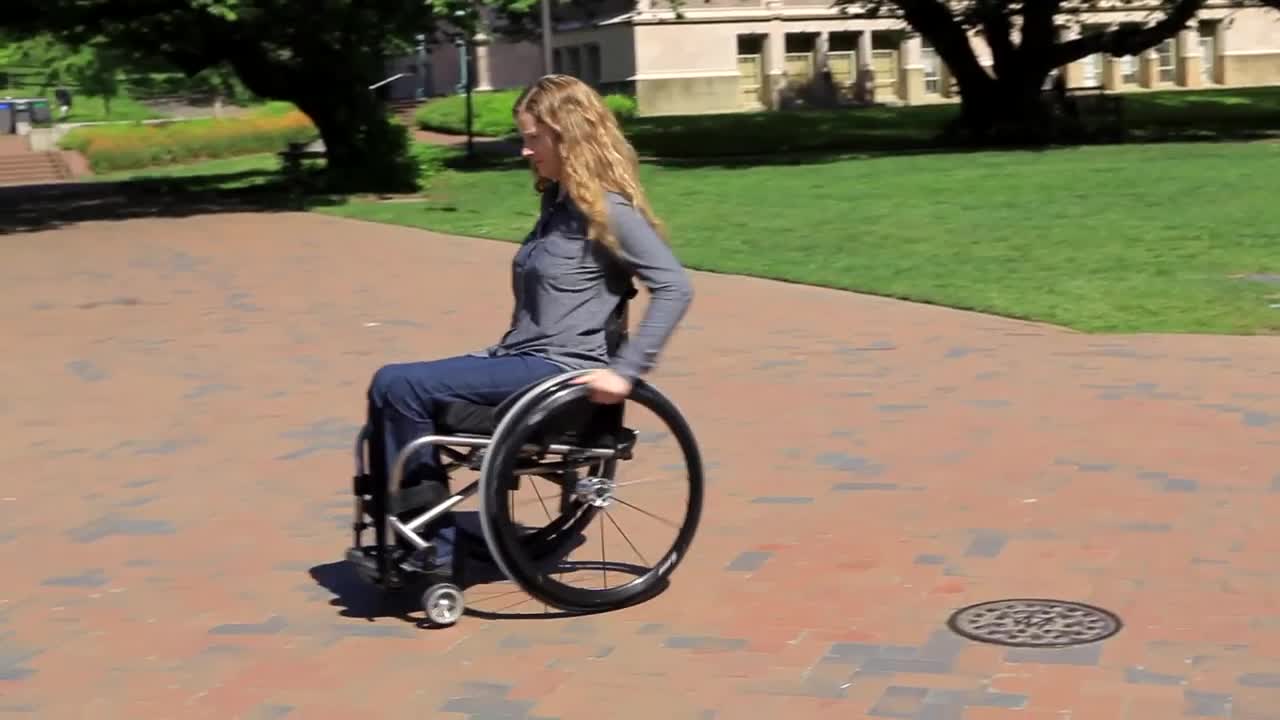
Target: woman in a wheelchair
[571,279]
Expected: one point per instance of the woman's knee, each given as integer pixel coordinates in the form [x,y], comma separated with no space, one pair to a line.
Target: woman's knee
[391,384]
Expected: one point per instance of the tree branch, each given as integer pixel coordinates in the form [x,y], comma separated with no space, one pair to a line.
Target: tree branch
[997,30]
[936,21]
[1039,34]
[1128,40]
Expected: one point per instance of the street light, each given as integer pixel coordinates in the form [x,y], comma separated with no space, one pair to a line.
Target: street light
[464,65]
[466,22]
[546,37]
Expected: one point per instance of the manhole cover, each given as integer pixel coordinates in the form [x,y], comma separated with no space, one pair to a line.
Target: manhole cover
[1034,623]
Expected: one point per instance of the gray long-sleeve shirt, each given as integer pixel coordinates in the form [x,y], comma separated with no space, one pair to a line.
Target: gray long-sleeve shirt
[566,287]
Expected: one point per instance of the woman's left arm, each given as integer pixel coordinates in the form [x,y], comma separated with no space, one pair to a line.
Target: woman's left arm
[644,252]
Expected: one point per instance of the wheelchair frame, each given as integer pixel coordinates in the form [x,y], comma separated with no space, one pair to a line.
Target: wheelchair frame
[443,601]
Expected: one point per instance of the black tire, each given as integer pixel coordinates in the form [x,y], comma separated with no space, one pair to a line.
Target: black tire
[519,427]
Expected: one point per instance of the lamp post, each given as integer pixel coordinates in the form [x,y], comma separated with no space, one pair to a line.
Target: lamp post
[546,37]
[464,65]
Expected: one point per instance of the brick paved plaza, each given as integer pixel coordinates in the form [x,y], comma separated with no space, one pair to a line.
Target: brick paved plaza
[181,395]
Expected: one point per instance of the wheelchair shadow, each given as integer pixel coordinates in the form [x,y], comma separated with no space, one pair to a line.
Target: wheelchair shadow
[501,590]
[360,599]
[357,598]
[516,597]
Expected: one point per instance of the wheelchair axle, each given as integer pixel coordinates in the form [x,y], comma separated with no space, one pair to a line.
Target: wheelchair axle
[596,491]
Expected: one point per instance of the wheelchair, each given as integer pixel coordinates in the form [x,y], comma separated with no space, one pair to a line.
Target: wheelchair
[548,431]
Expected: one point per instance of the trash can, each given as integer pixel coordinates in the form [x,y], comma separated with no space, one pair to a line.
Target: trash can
[21,112]
[6,117]
[22,116]
[41,113]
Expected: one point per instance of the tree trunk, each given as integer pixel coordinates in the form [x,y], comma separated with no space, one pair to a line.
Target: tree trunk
[365,151]
[1009,110]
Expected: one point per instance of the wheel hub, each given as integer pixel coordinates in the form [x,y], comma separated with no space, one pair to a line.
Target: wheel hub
[597,491]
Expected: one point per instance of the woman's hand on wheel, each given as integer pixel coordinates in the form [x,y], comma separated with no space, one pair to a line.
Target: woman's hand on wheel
[607,387]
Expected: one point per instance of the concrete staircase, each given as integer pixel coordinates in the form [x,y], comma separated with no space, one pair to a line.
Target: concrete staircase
[19,165]
[32,169]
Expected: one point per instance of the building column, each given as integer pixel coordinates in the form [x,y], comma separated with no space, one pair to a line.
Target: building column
[1073,72]
[1220,74]
[1187,50]
[863,87]
[774,51]
[1112,72]
[1149,68]
[911,89]
[484,77]
[864,50]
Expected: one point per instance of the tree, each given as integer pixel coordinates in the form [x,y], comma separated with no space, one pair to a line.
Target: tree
[321,55]
[92,68]
[1005,104]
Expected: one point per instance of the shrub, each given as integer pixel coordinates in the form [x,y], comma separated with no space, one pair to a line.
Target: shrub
[127,147]
[623,106]
[491,112]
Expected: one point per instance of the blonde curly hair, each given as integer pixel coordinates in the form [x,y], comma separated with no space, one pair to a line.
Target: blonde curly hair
[595,157]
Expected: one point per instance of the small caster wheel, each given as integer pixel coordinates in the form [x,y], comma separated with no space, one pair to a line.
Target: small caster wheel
[443,604]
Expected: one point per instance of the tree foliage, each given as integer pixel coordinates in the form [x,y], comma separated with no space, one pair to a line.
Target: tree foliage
[322,55]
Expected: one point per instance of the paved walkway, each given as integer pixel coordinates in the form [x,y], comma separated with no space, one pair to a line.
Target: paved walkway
[481,144]
[180,397]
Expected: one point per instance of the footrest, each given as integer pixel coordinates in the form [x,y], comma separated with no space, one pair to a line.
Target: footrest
[365,562]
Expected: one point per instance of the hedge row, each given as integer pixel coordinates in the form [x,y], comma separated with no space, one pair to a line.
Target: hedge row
[128,147]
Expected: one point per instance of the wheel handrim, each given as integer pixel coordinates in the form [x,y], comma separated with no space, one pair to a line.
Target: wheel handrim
[514,559]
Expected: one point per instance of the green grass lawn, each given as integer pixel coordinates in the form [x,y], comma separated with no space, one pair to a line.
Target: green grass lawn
[1104,239]
[233,173]
[262,162]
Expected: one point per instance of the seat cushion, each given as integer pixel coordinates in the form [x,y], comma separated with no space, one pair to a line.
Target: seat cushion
[581,423]
[457,417]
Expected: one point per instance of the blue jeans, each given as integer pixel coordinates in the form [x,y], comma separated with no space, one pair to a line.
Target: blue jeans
[402,400]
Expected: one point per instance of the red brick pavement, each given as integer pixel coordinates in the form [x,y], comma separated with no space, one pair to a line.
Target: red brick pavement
[180,399]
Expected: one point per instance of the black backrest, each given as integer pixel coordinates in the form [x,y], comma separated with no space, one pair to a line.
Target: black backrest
[615,328]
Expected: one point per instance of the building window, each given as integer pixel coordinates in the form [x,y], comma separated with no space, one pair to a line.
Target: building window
[594,69]
[1092,67]
[1208,52]
[751,71]
[932,69]
[575,62]
[799,56]
[842,59]
[557,61]
[1168,61]
[1129,65]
